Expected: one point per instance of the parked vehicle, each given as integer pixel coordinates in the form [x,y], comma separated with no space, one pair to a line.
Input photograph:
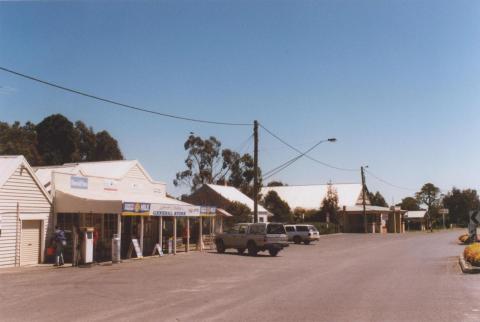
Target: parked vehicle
[257,237]
[302,233]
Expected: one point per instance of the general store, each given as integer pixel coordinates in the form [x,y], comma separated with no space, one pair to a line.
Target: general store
[119,199]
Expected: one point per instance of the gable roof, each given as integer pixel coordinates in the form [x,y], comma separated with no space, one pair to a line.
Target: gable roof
[104,169]
[311,196]
[10,163]
[234,195]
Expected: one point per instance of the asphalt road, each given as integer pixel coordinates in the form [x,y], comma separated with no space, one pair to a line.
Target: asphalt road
[408,277]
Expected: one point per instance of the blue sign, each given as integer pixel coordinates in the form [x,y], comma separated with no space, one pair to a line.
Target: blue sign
[78,182]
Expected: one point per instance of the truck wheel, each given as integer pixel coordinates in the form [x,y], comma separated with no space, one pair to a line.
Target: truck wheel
[273,252]
[306,242]
[220,246]
[297,239]
[240,251]
[252,249]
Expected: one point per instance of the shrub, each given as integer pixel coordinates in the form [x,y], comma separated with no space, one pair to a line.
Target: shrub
[472,254]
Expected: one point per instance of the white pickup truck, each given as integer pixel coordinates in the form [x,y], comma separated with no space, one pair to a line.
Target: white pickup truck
[253,237]
[302,233]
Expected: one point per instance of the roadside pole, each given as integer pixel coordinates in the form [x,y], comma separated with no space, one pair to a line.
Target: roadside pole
[255,171]
[364,200]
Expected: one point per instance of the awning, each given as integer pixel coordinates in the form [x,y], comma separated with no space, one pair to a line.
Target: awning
[84,201]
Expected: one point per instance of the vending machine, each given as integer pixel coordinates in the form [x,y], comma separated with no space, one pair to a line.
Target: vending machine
[87,244]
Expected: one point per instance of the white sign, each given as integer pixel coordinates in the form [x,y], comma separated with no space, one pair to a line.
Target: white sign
[174,210]
[443,211]
[78,182]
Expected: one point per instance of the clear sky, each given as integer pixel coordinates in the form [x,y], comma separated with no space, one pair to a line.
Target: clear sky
[397,82]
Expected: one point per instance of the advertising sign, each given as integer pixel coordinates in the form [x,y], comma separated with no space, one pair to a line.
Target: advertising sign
[135,209]
[78,182]
[175,210]
[208,211]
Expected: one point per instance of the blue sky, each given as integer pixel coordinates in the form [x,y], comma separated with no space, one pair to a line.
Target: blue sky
[397,82]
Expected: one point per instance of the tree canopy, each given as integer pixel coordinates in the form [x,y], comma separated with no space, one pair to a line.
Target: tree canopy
[376,199]
[329,207]
[207,162]
[56,140]
[459,203]
[278,207]
[409,204]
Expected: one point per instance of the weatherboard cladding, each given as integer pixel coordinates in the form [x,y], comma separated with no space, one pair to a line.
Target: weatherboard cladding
[22,188]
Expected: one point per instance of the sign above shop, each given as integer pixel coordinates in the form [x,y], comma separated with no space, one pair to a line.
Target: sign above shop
[78,182]
[208,211]
[175,210]
[135,209]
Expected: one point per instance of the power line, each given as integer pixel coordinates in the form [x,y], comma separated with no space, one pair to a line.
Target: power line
[132,107]
[286,164]
[306,155]
[387,182]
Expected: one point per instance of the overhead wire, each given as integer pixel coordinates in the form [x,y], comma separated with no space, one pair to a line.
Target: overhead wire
[387,182]
[286,164]
[306,155]
[128,106]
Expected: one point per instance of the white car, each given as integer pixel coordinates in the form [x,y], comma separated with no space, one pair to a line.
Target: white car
[302,233]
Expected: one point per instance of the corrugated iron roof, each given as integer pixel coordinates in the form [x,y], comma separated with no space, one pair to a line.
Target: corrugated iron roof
[233,194]
[311,196]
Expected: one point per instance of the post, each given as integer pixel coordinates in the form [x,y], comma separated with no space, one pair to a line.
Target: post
[119,234]
[364,199]
[174,235]
[255,171]
[200,233]
[188,235]
[160,233]
[141,233]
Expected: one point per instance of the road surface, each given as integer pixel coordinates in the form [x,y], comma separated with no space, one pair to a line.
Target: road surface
[346,277]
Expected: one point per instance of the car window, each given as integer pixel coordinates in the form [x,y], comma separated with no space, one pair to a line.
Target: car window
[257,229]
[289,228]
[242,229]
[302,228]
[234,229]
[275,229]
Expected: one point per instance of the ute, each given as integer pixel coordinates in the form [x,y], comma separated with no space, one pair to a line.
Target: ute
[257,237]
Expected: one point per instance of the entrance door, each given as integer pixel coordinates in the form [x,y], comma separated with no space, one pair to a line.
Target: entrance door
[30,242]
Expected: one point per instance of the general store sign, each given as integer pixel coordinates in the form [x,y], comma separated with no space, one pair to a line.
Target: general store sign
[165,210]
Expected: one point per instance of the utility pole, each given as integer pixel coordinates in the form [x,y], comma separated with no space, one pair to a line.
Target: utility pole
[364,199]
[255,171]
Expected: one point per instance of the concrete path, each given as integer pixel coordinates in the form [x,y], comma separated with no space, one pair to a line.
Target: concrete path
[408,277]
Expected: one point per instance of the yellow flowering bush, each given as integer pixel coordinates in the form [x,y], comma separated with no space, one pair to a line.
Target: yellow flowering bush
[472,254]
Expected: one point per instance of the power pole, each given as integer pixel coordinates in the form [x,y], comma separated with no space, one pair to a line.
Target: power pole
[255,171]
[364,199]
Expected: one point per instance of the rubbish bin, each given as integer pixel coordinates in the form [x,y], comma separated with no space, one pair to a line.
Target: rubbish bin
[115,249]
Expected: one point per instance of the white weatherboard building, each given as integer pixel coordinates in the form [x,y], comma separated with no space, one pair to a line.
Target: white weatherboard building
[114,197]
[415,219]
[25,214]
[350,202]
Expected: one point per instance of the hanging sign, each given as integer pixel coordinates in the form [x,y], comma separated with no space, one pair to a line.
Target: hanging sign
[135,209]
[78,182]
[165,210]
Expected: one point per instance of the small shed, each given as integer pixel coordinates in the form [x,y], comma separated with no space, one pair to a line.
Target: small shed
[25,214]
[415,220]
